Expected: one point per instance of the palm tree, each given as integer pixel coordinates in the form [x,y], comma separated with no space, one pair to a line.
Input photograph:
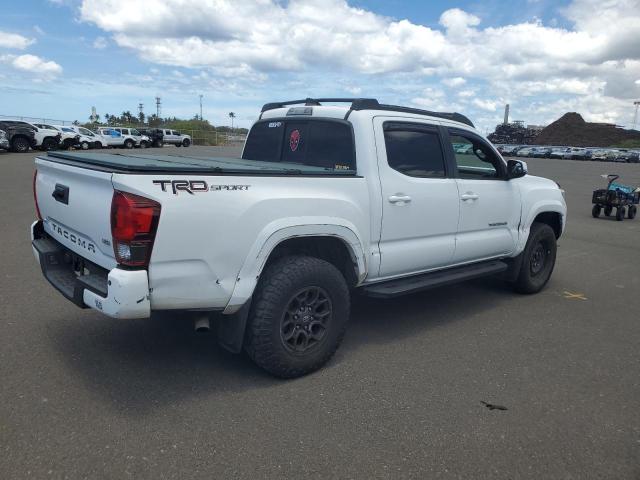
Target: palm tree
[232,116]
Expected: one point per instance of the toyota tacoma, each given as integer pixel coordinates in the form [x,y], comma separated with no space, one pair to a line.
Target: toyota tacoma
[329,197]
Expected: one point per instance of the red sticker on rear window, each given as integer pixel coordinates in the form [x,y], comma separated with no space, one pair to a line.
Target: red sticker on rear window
[294,140]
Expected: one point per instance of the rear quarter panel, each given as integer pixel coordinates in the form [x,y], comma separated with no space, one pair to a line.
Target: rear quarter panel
[205,239]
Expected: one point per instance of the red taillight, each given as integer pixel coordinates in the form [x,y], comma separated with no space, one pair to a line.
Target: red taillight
[134,221]
[35,195]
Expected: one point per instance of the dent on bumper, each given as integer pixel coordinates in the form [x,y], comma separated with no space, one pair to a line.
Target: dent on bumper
[127,295]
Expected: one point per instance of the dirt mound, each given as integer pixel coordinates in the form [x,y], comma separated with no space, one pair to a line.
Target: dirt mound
[571,129]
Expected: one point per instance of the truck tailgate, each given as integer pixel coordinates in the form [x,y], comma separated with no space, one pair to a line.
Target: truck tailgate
[75,204]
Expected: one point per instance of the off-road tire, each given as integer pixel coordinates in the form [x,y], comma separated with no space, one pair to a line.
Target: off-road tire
[595,211]
[278,286]
[530,279]
[129,144]
[620,213]
[631,214]
[20,145]
[186,142]
[607,210]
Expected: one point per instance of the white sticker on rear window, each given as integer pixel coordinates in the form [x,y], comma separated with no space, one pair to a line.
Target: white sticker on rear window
[275,124]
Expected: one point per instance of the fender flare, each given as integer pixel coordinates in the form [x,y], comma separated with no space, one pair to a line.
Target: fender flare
[541,206]
[277,232]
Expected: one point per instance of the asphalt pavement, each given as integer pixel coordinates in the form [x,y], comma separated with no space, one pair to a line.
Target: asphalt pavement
[85,396]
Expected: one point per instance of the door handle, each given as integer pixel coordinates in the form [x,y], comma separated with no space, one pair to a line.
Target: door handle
[399,199]
[469,196]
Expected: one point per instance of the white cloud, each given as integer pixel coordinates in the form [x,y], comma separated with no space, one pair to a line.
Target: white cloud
[42,69]
[454,82]
[488,105]
[100,43]
[13,40]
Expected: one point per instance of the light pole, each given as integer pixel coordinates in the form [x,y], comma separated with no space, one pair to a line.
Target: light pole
[200,107]
[635,115]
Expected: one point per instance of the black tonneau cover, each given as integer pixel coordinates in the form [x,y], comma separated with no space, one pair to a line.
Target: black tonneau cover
[152,163]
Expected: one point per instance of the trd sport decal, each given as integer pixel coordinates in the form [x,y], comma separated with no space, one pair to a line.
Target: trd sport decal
[196,186]
[294,140]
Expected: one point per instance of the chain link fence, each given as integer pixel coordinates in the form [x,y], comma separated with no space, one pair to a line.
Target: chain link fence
[50,121]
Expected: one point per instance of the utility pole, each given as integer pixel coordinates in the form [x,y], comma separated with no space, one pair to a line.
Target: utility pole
[635,115]
[158,104]
[200,107]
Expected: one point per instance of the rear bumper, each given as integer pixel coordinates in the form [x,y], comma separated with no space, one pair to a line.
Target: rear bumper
[117,293]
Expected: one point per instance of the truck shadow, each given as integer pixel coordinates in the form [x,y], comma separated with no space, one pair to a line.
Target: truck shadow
[137,366]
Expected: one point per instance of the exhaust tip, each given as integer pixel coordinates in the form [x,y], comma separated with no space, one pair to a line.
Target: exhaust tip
[202,325]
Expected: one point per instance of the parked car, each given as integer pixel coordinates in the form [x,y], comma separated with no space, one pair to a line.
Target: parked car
[156,136]
[89,139]
[510,150]
[175,138]
[558,152]
[21,135]
[44,139]
[277,241]
[123,137]
[68,138]
[599,154]
[576,153]
[542,152]
[4,141]
[525,152]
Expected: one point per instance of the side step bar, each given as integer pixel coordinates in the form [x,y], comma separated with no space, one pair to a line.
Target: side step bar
[416,283]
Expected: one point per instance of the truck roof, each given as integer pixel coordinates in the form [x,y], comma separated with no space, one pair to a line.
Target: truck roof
[309,105]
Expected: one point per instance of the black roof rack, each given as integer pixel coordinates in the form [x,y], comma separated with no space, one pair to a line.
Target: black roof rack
[369,104]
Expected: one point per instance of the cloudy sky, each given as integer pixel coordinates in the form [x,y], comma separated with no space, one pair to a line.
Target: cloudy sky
[60,57]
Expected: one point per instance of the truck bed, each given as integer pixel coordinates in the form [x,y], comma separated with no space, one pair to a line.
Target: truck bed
[151,163]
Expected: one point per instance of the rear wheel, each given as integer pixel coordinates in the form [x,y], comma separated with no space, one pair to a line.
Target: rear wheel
[129,144]
[84,145]
[20,145]
[595,211]
[620,213]
[539,259]
[631,214]
[298,316]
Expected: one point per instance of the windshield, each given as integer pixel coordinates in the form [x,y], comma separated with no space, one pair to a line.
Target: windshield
[326,144]
[84,131]
[135,132]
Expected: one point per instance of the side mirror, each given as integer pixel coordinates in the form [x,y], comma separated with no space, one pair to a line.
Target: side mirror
[516,169]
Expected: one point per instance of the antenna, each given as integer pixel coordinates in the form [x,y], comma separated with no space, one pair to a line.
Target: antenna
[140,108]
[158,106]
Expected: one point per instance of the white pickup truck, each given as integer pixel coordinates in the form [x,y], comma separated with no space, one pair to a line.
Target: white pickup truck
[325,200]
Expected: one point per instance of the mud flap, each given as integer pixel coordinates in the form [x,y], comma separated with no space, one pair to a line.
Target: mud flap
[231,329]
[515,264]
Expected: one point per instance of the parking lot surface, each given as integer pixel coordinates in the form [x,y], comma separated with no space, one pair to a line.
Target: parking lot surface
[85,396]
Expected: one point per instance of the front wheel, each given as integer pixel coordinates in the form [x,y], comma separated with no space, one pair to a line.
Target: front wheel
[129,144]
[298,316]
[186,142]
[84,145]
[539,258]
[595,211]
[20,145]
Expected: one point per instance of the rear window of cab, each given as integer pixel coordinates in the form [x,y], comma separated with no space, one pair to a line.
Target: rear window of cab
[316,143]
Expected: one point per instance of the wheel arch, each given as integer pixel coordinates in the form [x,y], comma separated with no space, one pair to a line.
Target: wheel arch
[337,244]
